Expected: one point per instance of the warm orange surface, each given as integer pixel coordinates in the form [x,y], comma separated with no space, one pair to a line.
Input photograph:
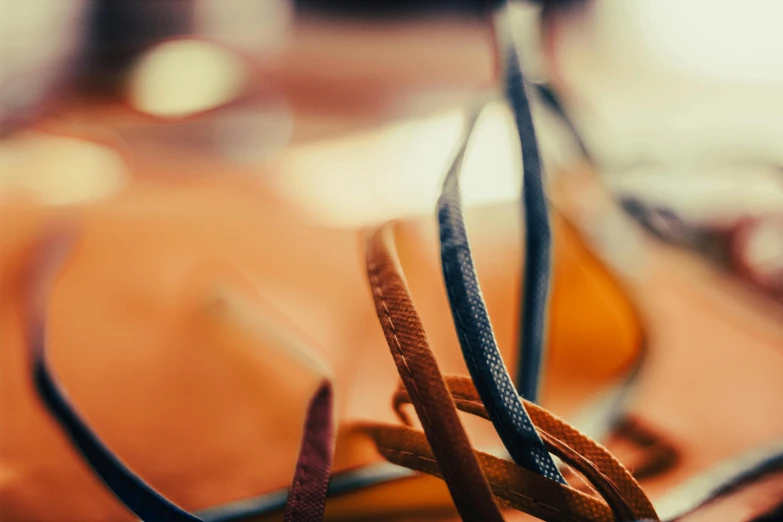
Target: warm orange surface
[187,394]
[136,340]
[714,376]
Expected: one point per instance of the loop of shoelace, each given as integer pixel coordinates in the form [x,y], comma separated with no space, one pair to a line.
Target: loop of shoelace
[610,478]
[419,371]
[514,487]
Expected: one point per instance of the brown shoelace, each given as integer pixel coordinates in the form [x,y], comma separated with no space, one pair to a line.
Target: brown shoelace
[442,448]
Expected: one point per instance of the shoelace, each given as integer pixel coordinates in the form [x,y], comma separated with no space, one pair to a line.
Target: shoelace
[434,400]
[408,344]
[469,312]
[475,333]
[538,235]
[307,496]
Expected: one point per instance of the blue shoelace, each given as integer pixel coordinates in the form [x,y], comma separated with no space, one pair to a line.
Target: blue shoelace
[479,347]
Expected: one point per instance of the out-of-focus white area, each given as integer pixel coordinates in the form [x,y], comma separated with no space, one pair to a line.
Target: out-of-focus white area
[398,170]
[675,81]
[34,32]
[679,101]
[731,41]
[184,77]
[764,249]
[694,88]
[38,40]
[60,170]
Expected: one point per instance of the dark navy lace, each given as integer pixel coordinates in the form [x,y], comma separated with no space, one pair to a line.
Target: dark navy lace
[471,319]
[313,469]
